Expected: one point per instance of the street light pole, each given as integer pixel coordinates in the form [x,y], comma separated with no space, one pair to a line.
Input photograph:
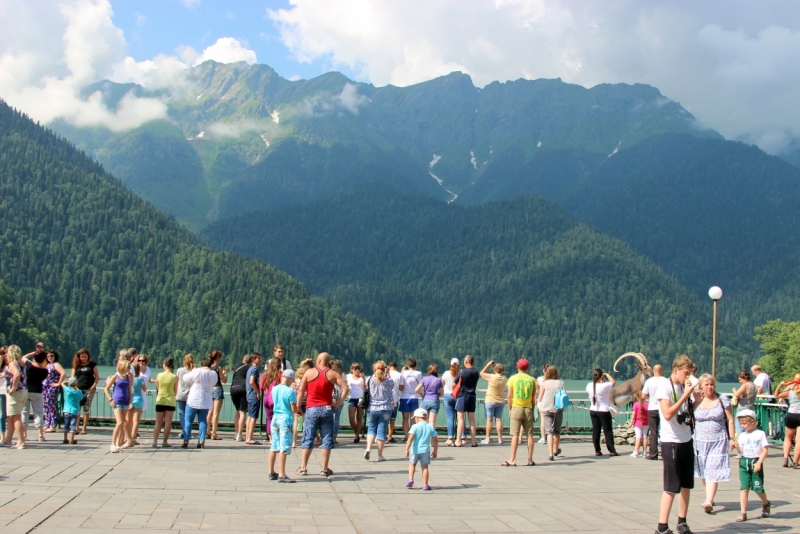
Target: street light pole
[715,293]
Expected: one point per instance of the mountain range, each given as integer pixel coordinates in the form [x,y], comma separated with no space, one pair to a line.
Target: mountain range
[405,206]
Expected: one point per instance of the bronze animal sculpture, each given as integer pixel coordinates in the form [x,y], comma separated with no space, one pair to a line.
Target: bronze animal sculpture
[622,394]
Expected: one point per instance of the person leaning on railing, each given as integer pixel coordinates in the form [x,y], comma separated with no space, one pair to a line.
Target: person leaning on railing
[790,389]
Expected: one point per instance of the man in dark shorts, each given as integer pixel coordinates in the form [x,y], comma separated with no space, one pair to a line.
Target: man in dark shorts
[467,399]
[253,398]
[677,448]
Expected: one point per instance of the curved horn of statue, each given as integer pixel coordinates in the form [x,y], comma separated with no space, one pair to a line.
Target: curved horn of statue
[622,394]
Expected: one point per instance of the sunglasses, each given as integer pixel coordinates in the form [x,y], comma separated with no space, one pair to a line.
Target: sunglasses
[141,361]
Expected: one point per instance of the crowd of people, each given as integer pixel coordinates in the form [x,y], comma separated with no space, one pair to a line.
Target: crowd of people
[680,417]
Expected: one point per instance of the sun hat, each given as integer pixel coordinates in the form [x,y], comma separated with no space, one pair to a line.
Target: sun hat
[420,412]
[745,413]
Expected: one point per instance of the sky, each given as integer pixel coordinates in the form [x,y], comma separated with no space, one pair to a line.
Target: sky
[732,63]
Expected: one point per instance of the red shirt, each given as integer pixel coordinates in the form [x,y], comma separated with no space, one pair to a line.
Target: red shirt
[320,390]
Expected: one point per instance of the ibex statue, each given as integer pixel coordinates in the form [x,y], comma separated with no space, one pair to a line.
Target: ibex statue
[622,394]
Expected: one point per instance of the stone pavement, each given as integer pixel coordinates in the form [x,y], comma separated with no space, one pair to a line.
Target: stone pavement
[56,488]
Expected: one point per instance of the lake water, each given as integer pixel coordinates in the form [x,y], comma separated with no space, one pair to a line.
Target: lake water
[575,416]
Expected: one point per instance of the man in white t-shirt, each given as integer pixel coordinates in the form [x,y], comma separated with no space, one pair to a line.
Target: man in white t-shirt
[398,388]
[762,381]
[649,394]
[409,400]
[677,447]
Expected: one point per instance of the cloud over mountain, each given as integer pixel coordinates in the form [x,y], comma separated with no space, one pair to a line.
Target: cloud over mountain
[50,51]
[732,64]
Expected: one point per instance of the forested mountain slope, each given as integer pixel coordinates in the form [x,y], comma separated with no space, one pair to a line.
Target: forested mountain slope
[19,325]
[112,271]
[276,142]
[520,278]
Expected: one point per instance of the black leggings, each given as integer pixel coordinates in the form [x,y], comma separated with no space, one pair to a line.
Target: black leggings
[602,419]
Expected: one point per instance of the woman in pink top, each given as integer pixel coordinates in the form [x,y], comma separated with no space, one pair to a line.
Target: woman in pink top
[640,424]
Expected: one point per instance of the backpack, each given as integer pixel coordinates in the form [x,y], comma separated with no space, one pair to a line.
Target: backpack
[562,399]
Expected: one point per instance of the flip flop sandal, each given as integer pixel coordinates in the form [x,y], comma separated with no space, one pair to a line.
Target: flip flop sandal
[73,442]
[741,519]
[707,507]
[252,443]
[474,445]
[530,464]
[300,471]
[508,464]
[326,472]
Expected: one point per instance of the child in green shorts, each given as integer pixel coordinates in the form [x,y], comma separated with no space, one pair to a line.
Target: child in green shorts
[753,446]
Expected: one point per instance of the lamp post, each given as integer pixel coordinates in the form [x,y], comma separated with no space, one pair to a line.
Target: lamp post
[715,293]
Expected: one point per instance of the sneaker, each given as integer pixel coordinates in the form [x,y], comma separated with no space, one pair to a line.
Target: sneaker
[410,483]
[542,440]
[683,528]
[552,459]
[114,448]
[668,531]
[238,437]
[484,442]
[634,455]
[381,459]
[286,480]
[426,488]
[366,454]
[273,476]
[558,452]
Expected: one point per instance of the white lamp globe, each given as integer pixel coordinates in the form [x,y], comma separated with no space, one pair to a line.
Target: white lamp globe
[715,293]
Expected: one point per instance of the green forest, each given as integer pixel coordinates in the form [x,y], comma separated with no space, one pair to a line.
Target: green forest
[780,344]
[19,325]
[111,271]
[520,278]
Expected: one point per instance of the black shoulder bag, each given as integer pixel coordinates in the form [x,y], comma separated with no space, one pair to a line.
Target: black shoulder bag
[364,401]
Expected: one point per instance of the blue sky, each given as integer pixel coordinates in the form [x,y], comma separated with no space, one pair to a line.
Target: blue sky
[155,27]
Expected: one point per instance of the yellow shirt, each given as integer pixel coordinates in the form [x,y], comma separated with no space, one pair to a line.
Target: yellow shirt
[496,390]
[166,389]
[523,387]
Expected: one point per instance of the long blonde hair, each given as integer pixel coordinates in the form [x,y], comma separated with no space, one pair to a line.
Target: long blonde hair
[123,366]
[13,354]
[188,361]
[379,370]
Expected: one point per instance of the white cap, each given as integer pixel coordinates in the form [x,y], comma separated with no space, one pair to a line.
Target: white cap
[454,361]
[420,412]
[745,413]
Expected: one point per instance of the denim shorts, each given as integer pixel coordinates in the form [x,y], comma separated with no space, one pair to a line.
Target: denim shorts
[122,407]
[353,403]
[318,419]
[217,394]
[253,407]
[494,410]
[424,458]
[281,431]
[409,405]
[70,422]
[378,423]
[430,406]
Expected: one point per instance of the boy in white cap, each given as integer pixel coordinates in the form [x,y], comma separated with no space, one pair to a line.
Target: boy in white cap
[284,401]
[753,446]
[418,447]
[72,402]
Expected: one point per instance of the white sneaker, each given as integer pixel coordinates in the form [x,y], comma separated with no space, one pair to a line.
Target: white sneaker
[381,459]
[634,454]
[366,454]
[542,440]
[484,442]
[238,437]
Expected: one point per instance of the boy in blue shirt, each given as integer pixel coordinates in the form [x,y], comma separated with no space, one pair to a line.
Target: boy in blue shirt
[72,406]
[418,447]
[285,406]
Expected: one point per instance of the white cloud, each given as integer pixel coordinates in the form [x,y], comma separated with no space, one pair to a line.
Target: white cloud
[227,50]
[189,4]
[350,99]
[51,50]
[731,63]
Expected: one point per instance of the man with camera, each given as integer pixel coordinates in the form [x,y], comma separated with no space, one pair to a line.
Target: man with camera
[674,398]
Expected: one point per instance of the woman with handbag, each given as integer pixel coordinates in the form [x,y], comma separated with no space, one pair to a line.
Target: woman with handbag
[552,416]
[379,399]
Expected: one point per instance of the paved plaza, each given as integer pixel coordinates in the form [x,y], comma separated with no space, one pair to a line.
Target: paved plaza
[61,489]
